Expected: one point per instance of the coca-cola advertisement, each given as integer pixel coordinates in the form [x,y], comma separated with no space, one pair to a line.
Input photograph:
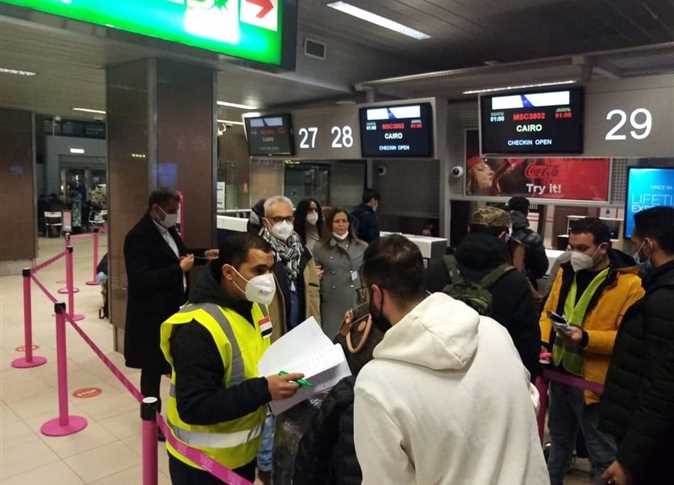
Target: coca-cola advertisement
[585,179]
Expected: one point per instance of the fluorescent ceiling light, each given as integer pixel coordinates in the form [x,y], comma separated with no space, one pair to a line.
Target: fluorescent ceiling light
[17,72]
[89,110]
[236,105]
[228,122]
[77,151]
[373,18]
[521,86]
[252,114]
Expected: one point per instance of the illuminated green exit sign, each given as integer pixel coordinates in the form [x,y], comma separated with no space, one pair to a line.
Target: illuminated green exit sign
[249,29]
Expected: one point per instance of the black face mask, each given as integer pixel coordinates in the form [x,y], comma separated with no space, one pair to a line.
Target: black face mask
[378,319]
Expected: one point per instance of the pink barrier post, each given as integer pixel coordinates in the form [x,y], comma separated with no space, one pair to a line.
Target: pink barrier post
[65,290]
[28,360]
[65,424]
[93,281]
[148,413]
[70,285]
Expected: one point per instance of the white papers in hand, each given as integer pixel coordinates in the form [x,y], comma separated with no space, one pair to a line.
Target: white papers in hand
[305,349]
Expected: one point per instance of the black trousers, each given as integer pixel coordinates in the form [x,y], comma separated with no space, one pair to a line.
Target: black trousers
[182,474]
[150,380]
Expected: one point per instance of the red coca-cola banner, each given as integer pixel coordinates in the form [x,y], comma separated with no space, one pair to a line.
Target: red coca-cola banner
[585,179]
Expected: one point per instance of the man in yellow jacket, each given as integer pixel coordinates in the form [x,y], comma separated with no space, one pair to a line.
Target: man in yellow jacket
[217,401]
[592,291]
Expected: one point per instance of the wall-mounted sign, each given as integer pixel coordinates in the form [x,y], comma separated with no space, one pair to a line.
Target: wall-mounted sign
[248,29]
[585,179]
[397,131]
[270,135]
[647,187]
[532,122]
[329,133]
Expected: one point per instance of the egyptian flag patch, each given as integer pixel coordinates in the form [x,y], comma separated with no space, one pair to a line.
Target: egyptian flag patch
[265,326]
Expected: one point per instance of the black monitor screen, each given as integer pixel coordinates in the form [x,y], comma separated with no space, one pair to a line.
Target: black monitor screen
[270,135]
[397,131]
[532,122]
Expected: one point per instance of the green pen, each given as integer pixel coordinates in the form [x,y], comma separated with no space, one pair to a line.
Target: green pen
[301,382]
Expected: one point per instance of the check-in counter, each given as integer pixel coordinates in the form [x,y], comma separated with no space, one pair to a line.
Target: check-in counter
[430,247]
[228,225]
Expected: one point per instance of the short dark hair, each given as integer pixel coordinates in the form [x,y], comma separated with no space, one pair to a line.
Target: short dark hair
[370,194]
[591,225]
[519,204]
[656,223]
[161,197]
[234,251]
[395,264]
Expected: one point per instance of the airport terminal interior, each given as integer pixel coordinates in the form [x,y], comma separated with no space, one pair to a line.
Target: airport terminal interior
[410,115]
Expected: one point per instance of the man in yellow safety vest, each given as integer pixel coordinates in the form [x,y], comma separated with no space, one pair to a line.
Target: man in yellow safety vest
[217,400]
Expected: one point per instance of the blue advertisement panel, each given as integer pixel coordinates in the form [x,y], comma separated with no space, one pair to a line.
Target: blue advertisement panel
[647,187]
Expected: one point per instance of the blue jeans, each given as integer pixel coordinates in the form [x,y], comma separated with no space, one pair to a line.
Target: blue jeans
[568,414]
[264,454]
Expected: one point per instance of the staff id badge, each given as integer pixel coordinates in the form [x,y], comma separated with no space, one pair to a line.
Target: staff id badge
[354,276]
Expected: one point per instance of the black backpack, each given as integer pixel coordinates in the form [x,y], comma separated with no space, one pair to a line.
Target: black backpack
[476,295]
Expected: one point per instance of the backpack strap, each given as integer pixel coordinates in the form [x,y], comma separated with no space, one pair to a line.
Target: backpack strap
[496,274]
[453,270]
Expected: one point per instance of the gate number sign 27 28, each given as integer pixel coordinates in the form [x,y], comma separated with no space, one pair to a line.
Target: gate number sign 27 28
[342,137]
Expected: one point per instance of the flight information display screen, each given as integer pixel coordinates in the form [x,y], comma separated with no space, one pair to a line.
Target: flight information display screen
[397,131]
[532,122]
[270,135]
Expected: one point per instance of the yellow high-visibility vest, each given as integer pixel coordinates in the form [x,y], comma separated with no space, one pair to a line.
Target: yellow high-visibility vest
[241,346]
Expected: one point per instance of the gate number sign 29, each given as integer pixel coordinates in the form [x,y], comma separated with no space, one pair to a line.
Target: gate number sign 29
[342,137]
[641,121]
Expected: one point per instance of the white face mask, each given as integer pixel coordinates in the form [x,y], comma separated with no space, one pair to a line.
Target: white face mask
[312,218]
[282,230]
[340,237]
[581,261]
[565,257]
[169,220]
[260,289]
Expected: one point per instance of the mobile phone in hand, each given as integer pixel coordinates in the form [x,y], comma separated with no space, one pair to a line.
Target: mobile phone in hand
[360,312]
[557,318]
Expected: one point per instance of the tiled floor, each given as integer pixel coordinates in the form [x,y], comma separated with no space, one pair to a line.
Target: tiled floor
[107,452]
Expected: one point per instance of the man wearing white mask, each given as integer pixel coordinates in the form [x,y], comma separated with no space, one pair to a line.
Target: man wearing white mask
[593,289]
[157,265]
[217,402]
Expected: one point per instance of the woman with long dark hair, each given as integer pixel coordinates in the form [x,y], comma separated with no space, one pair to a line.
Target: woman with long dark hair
[309,222]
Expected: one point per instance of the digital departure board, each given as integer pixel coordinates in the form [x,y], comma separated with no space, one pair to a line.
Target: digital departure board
[270,135]
[532,122]
[397,131]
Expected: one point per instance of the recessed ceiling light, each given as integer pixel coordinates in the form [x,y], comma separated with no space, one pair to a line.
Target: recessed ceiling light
[90,110]
[236,105]
[77,151]
[17,72]
[228,122]
[373,18]
[521,86]
[252,114]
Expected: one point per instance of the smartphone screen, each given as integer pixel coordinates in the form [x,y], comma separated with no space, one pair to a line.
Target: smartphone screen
[556,317]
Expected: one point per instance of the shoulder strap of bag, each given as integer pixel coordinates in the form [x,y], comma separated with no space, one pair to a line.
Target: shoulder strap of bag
[492,277]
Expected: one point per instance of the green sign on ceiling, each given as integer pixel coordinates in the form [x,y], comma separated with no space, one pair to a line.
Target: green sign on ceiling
[249,29]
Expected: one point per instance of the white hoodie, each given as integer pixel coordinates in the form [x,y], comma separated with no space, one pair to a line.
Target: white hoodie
[446,402]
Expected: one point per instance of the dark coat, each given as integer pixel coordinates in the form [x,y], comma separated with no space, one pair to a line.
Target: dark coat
[327,454]
[512,303]
[535,260]
[155,292]
[637,406]
[366,223]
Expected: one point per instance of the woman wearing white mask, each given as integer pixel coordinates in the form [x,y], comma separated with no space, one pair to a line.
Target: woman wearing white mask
[340,255]
[309,222]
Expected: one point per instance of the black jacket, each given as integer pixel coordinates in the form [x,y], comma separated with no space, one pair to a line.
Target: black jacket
[201,397]
[535,260]
[367,224]
[155,292]
[512,303]
[327,454]
[637,406]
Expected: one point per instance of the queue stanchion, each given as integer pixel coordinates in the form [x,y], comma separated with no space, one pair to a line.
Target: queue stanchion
[64,424]
[65,290]
[93,281]
[148,413]
[28,360]
[70,284]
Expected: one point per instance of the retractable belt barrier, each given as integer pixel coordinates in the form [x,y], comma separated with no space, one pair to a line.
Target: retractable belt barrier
[65,424]
[542,384]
